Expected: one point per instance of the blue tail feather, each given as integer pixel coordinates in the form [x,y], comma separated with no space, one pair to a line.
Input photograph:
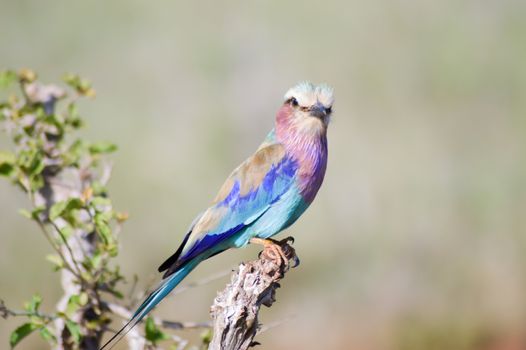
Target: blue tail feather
[151,301]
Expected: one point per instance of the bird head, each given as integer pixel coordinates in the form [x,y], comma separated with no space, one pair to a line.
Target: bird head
[307,107]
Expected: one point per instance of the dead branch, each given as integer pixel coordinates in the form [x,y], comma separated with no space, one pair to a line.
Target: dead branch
[126,314]
[235,309]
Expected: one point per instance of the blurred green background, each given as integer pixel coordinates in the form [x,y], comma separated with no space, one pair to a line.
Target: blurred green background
[417,238]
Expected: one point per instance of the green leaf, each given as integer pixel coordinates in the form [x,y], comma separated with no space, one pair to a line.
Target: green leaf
[74,152]
[96,260]
[35,214]
[75,203]
[7,163]
[73,111]
[83,299]
[47,335]
[103,229]
[72,305]
[6,169]
[105,216]
[66,231]
[36,182]
[57,209]
[73,116]
[31,160]
[61,207]
[71,79]
[206,337]
[20,333]
[112,249]
[74,329]
[25,213]
[55,260]
[153,333]
[100,201]
[34,304]
[7,77]
[98,188]
[82,86]
[102,147]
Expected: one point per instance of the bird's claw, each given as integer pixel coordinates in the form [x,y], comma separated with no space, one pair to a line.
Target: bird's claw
[289,252]
[287,240]
[281,252]
[296,261]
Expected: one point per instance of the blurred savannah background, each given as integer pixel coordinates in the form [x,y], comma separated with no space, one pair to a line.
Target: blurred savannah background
[417,239]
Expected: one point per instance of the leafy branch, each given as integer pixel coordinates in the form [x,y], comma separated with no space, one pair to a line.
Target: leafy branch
[65,179]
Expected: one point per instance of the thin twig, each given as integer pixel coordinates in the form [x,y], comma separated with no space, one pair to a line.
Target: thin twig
[182,343]
[80,245]
[5,312]
[133,287]
[59,252]
[65,241]
[126,315]
[201,282]
[276,323]
[40,224]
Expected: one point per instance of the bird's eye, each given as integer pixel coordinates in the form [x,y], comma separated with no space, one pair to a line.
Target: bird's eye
[293,101]
[328,110]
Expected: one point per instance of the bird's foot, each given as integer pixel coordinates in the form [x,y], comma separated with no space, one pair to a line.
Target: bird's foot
[280,252]
[289,251]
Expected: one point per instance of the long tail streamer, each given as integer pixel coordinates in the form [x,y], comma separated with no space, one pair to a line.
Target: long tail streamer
[151,301]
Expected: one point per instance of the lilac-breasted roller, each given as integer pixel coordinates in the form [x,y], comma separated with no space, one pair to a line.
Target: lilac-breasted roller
[266,194]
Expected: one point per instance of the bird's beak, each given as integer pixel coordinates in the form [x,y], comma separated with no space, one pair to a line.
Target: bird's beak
[318,110]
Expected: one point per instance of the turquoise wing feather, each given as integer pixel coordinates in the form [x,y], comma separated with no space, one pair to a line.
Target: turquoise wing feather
[247,194]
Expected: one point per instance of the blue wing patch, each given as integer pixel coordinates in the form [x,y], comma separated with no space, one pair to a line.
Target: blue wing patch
[240,210]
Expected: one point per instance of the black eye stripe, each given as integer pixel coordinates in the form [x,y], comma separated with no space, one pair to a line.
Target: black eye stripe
[293,101]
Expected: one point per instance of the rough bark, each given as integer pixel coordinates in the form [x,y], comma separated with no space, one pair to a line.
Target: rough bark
[235,309]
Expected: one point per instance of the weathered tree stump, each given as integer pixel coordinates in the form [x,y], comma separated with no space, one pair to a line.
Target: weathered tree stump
[235,309]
